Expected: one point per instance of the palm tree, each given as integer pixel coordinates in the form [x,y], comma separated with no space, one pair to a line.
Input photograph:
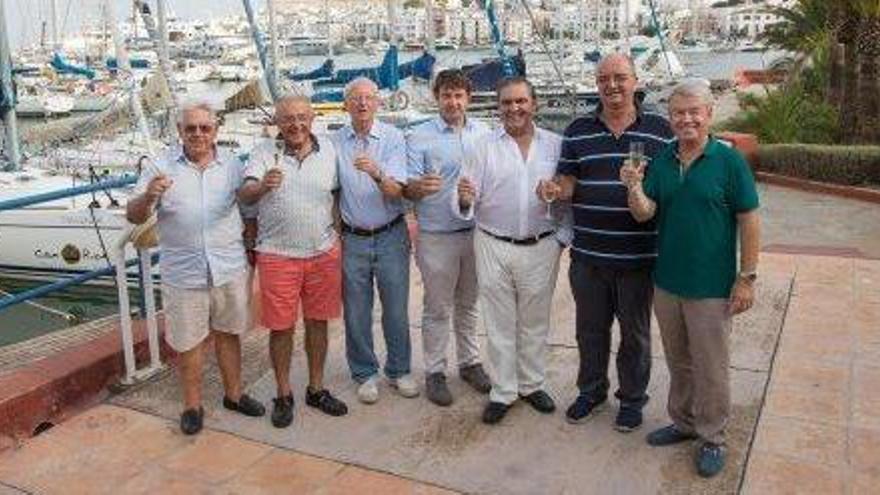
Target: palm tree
[833,23]
[846,35]
[868,49]
[808,29]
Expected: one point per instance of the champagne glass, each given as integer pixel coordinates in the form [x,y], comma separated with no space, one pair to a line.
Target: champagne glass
[547,197]
[637,154]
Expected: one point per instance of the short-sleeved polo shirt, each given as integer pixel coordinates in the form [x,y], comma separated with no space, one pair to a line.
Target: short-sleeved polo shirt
[605,232]
[696,218]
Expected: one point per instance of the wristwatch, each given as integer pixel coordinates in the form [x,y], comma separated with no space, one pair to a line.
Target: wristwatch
[379,178]
[749,276]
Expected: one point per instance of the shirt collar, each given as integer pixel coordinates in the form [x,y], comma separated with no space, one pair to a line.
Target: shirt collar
[442,126]
[596,114]
[316,146]
[501,132]
[376,131]
[182,159]
[709,150]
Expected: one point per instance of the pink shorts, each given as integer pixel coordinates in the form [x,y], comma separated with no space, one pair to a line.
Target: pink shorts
[285,281]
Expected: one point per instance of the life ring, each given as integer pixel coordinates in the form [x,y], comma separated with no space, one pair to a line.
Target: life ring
[399,100]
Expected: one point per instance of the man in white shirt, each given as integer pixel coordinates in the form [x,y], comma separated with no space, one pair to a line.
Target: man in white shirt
[516,247]
[204,272]
[294,183]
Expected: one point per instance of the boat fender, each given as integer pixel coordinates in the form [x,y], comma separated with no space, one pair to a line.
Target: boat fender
[399,100]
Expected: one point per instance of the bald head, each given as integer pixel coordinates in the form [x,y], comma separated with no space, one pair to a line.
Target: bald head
[617,59]
[616,81]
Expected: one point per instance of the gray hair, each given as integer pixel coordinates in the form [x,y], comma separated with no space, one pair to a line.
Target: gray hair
[288,98]
[194,105]
[624,56]
[358,81]
[696,88]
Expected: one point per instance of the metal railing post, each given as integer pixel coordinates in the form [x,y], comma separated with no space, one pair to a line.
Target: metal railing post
[149,298]
[125,310]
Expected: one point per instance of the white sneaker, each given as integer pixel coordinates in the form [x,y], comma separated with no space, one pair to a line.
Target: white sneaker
[368,392]
[405,385]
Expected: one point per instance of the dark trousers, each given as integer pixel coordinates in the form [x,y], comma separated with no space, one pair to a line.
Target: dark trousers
[602,293]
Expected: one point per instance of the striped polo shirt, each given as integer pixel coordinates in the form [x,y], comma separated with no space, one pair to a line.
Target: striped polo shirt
[605,232]
[296,220]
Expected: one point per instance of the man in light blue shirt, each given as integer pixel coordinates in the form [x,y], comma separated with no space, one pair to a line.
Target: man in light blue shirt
[375,242]
[445,253]
[204,272]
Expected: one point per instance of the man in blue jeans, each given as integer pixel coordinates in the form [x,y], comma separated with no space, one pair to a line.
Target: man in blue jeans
[375,243]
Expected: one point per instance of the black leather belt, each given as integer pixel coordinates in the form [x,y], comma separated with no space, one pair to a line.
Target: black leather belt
[527,241]
[371,232]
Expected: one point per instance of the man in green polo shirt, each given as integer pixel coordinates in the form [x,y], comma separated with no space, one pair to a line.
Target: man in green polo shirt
[702,192]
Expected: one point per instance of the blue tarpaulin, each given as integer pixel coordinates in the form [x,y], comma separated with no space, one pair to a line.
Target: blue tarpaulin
[485,76]
[62,66]
[136,63]
[324,71]
[384,75]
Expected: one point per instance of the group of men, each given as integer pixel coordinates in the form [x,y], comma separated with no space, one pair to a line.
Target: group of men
[495,209]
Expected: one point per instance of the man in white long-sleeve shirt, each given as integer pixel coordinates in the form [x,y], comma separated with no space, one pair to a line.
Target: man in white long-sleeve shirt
[506,187]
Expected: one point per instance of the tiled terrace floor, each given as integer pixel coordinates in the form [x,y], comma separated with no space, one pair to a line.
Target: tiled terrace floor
[806,373]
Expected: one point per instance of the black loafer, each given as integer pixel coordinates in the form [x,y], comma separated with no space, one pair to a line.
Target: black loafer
[191,421]
[324,401]
[540,401]
[282,411]
[246,405]
[494,412]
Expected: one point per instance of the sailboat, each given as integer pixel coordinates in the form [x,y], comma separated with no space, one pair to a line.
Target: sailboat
[69,236]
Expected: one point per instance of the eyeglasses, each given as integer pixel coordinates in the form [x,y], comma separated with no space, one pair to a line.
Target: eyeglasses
[362,99]
[693,113]
[617,78]
[203,128]
[292,119]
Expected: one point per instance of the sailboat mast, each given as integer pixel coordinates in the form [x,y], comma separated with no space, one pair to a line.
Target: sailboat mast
[125,68]
[429,26]
[273,39]
[9,120]
[328,33]
[53,6]
[268,74]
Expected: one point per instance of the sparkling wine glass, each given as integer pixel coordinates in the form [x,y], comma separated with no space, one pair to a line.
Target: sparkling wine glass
[547,197]
[637,154]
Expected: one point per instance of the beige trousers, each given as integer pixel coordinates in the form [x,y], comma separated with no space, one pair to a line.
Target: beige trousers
[696,336]
[516,286]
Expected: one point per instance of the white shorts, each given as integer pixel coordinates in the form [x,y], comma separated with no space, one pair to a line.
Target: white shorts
[191,313]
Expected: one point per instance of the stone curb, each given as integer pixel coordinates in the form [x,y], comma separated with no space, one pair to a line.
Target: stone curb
[849,192]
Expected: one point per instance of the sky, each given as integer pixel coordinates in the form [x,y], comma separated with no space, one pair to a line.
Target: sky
[24,17]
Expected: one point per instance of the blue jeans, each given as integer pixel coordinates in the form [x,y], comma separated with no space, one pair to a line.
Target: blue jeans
[385,258]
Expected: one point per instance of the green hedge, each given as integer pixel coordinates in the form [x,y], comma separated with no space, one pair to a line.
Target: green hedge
[846,165]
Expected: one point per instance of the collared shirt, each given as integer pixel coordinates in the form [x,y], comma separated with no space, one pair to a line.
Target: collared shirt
[198,219]
[605,232]
[696,218]
[506,203]
[296,220]
[362,204]
[435,147]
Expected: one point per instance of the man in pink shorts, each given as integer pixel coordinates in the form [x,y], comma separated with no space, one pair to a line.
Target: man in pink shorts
[294,183]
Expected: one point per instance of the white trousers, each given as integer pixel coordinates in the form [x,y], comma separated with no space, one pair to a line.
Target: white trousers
[449,275]
[516,285]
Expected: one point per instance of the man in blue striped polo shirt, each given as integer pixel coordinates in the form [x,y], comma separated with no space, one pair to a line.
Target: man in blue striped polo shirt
[612,255]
